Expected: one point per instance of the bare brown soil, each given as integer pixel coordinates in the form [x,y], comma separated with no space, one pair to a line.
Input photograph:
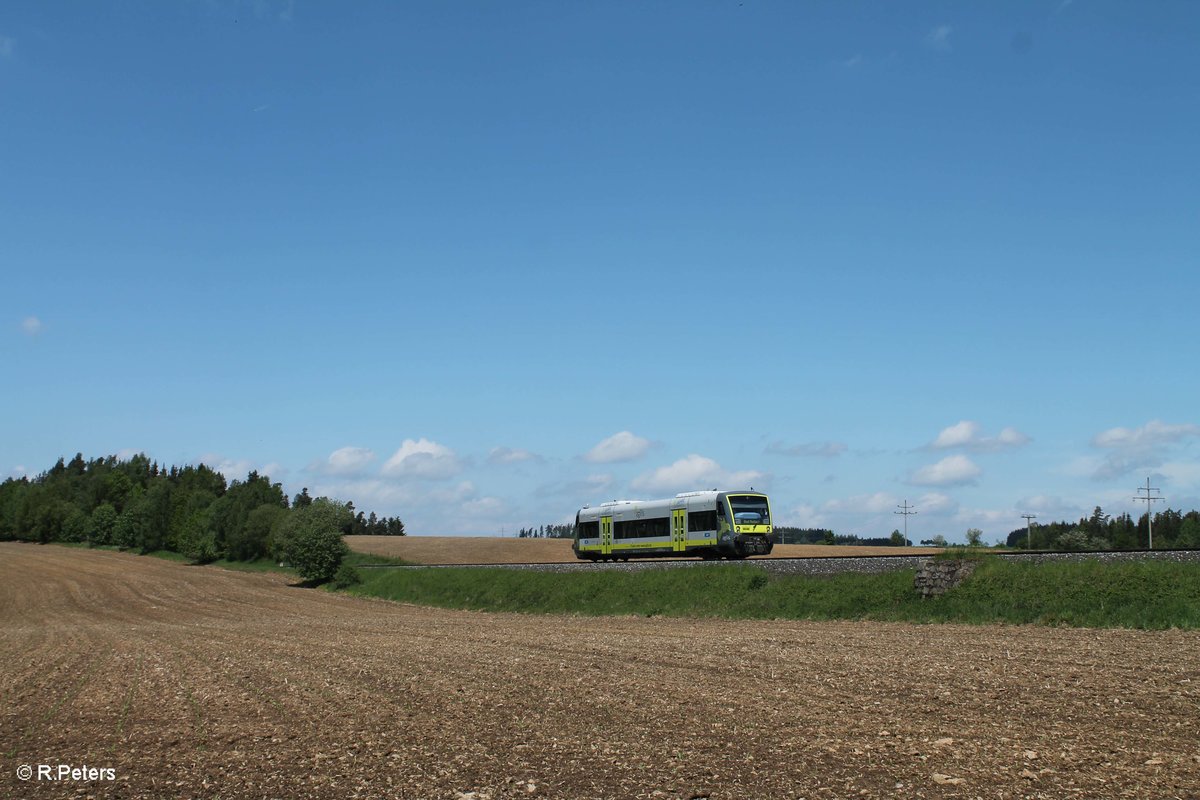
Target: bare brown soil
[199,682]
[499,550]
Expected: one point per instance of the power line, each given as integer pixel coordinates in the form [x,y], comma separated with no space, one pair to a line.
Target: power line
[1028,529]
[905,512]
[1148,499]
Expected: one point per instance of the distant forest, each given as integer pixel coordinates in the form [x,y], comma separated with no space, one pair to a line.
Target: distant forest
[1172,530]
[137,504]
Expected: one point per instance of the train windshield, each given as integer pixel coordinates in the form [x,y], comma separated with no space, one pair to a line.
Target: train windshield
[749,509]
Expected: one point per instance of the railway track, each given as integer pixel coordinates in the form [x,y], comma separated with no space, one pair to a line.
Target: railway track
[825,565]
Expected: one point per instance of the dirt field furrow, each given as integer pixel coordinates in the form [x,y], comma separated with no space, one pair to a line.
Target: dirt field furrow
[199,682]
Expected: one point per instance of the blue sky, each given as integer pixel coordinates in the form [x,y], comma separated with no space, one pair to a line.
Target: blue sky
[477,264]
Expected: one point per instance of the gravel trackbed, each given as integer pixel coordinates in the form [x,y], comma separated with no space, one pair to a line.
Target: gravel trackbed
[200,682]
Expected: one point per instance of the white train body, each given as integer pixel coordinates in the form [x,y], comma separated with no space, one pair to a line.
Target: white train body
[709,524]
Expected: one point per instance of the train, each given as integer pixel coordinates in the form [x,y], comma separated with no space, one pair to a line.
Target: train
[710,524]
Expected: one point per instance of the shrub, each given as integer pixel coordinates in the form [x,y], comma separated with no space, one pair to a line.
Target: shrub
[197,540]
[311,538]
[346,577]
[103,521]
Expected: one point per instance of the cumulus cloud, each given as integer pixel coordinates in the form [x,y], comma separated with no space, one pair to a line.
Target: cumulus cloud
[394,497]
[236,469]
[939,38]
[967,435]
[32,326]
[694,472]
[485,508]
[803,515]
[1181,473]
[423,459]
[807,449]
[508,455]
[874,503]
[1151,434]
[950,471]
[1045,504]
[623,446]
[589,488]
[935,503]
[1147,447]
[347,461]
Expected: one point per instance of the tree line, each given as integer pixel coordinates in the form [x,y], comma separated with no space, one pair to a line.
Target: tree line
[1172,530]
[137,504]
[783,534]
[547,532]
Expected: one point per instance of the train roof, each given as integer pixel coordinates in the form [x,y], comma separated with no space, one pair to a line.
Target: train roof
[704,494]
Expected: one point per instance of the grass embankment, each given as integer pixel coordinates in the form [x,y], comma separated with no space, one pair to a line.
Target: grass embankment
[1083,594]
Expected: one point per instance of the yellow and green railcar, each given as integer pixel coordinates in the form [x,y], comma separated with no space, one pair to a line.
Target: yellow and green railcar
[709,524]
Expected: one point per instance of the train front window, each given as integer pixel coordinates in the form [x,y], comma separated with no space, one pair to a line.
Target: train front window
[749,510]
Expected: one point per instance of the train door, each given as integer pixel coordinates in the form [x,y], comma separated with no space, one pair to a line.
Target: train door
[679,529]
[606,546]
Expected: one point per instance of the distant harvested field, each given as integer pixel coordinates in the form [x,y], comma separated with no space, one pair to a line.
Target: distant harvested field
[498,550]
[201,682]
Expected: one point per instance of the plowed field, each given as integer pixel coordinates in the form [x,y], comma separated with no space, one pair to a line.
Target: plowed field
[501,550]
[199,682]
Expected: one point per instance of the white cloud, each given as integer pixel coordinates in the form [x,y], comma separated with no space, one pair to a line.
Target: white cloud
[935,504]
[694,472]
[32,326]
[1182,473]
[485,508]
[347,461]
[1045,504]
[1151,434]
[7,46]
[875,503]
[939,38]
[423,459]
[392,497]
[20,471]
[957,435]
[1141,448]
[274,470]
[623,446]
[950,471]
[588,489]
[808,449]
[966,434]
[508,455]
[235,469]
[802,516]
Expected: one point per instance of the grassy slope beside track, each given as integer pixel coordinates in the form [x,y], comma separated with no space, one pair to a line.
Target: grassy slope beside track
[510,550]
[1153,595]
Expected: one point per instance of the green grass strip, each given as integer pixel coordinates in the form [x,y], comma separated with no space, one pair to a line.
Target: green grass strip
[1154,595]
